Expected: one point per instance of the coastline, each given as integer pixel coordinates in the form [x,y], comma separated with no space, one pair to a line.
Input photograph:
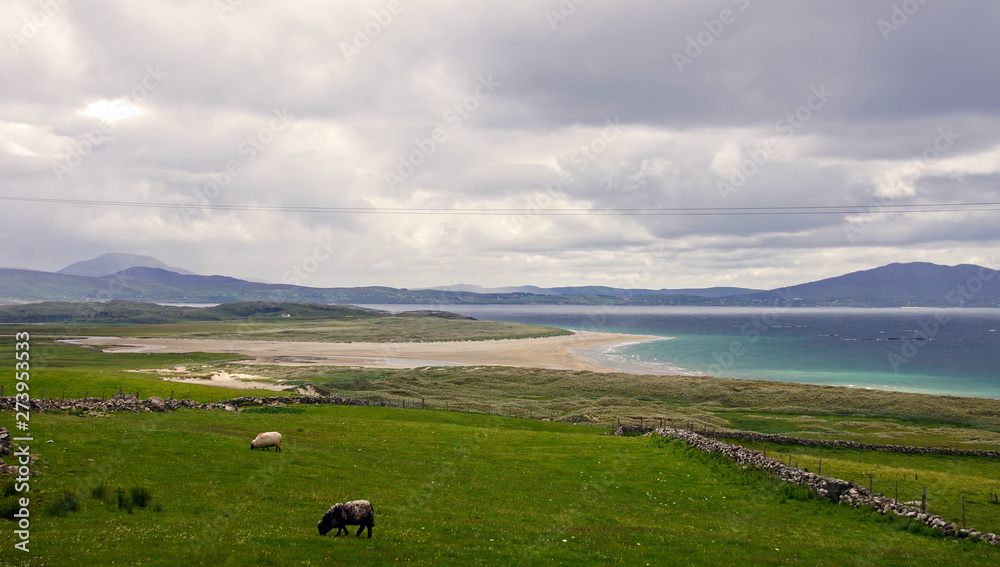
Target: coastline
[568,352]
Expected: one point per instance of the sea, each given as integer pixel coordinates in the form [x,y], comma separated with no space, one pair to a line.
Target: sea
[924,350]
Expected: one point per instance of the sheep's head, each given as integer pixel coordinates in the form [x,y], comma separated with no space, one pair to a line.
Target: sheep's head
[326,524]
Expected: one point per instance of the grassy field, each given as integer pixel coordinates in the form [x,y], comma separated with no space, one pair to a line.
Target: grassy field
[394,329]
[448,489]
[947,478]
[259,321]
[585,397]
[59,369]
[386,329]
[571,396]
[476,489]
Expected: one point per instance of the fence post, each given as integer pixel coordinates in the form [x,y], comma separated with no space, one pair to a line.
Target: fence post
[895,497]
[869,483]
[64,395]
[821,466]
[923,501]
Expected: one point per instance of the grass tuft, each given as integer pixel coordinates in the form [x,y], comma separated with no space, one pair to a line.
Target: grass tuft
[124,500]
[63,505]
[141,496]
[8,507]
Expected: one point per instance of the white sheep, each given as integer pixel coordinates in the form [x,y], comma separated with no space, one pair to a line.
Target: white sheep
[266,440]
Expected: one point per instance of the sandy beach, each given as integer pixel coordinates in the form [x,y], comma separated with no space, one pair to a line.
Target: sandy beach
[548,352]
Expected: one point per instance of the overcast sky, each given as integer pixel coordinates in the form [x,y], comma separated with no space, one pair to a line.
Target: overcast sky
[244,115]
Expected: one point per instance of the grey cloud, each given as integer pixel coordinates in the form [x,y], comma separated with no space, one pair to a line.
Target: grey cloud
[890,91]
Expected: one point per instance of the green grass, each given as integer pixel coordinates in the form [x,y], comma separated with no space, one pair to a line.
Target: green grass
[397,328]
[467,488]
[947,478]
[59,367]
[448,489]
[934,432]
[315,323]
[580,396]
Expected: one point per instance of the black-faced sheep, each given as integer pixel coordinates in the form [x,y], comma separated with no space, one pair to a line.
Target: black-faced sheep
[341,515]
[266,440]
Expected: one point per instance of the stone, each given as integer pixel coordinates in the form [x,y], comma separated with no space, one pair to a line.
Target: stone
[4,441]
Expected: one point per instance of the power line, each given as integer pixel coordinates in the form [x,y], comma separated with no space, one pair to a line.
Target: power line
[554,211]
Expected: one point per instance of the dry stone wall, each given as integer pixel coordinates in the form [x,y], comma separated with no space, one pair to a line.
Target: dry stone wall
[837,490]
[130,403]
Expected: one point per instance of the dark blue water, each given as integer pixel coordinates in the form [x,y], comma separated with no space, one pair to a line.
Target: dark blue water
[938,351]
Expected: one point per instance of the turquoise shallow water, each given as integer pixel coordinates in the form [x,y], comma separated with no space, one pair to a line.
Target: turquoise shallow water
[954,351]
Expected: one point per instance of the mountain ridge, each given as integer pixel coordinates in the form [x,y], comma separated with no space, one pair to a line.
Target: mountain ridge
[893,285]
[600,290]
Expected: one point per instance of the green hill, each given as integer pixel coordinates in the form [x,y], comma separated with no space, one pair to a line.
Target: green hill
[134,312]
[447,489]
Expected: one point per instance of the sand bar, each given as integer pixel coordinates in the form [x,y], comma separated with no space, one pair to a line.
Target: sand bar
[546,352]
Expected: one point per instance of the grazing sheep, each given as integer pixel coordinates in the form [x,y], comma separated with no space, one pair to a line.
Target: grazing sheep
[266,440]
[341,515]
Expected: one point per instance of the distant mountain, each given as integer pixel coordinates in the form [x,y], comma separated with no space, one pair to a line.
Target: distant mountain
[900,285]
[601,290]
[112,263]
[895,285]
